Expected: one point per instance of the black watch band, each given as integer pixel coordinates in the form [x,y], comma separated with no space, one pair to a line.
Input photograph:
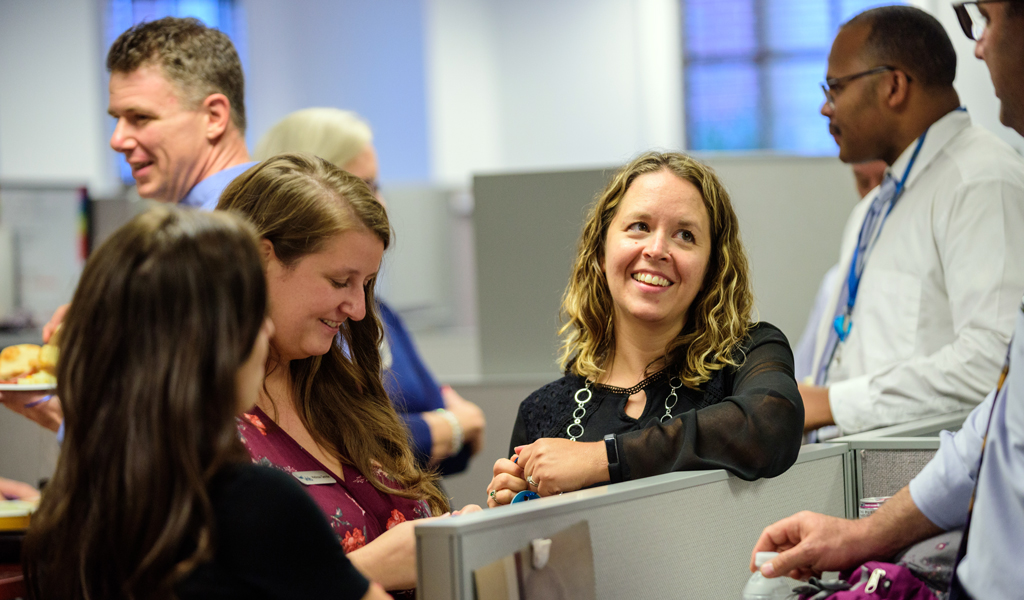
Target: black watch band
[614,466]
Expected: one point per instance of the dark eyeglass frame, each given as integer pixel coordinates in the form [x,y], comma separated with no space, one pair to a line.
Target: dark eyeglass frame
[829,84]
[966,23]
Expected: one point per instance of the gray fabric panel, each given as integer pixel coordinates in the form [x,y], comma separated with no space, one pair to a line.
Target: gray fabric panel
[692,543]
[885,472]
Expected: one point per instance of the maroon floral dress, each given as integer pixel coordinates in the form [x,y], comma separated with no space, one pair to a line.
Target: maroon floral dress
[357,512]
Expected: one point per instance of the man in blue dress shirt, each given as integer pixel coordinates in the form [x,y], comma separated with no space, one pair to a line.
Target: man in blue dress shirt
[939,497]
[177,92]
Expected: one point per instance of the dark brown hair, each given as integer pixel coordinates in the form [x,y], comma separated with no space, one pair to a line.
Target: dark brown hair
[165,313]
[197,59]
[298,203]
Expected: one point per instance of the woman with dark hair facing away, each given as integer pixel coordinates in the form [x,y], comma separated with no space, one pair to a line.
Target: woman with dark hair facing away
[322,411]
[153,497]
[664,369]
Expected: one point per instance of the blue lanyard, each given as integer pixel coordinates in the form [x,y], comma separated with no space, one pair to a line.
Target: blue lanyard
[843,323]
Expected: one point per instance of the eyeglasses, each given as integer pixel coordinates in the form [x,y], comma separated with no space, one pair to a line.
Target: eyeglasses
[830,85]
[971,20]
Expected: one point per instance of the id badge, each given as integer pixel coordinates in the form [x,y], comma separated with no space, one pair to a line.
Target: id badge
[314,477]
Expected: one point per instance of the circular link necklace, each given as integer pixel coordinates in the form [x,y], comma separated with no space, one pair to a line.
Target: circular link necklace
[584,395]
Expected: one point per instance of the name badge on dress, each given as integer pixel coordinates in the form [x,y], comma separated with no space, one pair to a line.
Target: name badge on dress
[314,477]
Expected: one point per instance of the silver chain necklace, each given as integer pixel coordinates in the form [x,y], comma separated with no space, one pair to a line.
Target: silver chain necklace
[584,395]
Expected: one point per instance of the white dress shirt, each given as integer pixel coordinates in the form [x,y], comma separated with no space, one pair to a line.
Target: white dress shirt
[942,491]
[940,290]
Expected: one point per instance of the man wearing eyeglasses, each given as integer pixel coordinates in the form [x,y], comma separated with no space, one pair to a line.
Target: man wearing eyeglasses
[923,311]
[976,480]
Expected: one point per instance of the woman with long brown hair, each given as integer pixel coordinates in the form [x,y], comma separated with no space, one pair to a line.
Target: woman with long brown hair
[164,343]
[323,413]
[664,369]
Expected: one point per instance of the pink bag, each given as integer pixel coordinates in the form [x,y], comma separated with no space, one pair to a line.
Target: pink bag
[872,580]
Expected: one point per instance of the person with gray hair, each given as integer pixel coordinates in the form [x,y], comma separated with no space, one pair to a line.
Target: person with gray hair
[445,428]
[338,136]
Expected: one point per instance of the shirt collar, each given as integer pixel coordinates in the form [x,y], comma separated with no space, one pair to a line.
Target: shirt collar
[939,134]
[206,194]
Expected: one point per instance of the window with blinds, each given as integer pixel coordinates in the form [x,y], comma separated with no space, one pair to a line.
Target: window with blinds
[752,69]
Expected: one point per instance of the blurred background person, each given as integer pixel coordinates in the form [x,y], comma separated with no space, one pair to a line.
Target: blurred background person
[16,490]
[446,429]
[866,176]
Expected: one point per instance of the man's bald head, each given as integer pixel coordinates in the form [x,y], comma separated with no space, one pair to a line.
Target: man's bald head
[909,39]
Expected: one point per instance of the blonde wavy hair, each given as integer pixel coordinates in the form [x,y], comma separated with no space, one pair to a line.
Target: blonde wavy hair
[719,317]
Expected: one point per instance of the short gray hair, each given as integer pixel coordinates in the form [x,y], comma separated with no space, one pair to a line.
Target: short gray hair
[335,135]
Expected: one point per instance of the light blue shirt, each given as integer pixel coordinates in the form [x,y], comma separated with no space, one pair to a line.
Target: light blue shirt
[206,194]
[942,491]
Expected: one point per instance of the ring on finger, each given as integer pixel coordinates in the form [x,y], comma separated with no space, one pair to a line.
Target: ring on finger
[493,493]
[530,480]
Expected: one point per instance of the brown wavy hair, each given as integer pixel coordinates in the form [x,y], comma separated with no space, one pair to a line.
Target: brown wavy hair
[299,202]
[165,313]
[718,319]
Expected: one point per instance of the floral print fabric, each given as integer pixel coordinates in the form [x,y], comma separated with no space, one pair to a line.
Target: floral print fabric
[356,511]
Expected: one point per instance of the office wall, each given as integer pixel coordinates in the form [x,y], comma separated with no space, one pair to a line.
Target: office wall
[452,87]
[52,101]
[791,211]
[540,85]
[362,56]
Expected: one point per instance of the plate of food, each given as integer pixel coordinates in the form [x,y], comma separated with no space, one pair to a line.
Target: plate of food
[28,368]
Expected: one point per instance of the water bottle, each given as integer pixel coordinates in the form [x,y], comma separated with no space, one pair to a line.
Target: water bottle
[760,587]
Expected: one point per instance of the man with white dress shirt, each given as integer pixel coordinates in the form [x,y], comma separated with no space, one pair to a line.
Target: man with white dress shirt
[920,319]
[985,459]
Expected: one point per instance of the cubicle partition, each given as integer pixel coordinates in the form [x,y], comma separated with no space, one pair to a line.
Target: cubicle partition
[883,461]
[675,535]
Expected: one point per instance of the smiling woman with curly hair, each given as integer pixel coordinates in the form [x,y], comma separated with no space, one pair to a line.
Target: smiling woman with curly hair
[664,369]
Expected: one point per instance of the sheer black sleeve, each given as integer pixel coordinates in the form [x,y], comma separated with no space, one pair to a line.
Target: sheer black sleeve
[753,431]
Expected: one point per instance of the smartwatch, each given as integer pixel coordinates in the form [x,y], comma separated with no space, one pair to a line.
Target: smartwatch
[614,466]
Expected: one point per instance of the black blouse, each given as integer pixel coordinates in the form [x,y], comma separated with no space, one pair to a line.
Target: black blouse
[271,541]
[748,419]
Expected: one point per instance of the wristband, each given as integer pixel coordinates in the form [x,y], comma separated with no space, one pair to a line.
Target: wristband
[34,403]
[456,430]
[614,466]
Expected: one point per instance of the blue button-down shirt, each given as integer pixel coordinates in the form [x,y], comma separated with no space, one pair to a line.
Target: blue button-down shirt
[206,194]
[942,491]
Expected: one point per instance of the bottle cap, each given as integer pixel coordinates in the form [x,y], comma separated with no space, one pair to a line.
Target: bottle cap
[762,557]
